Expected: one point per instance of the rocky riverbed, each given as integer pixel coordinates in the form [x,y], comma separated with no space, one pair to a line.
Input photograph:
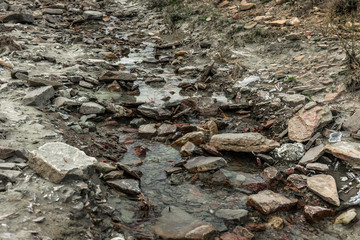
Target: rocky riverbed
[126,119]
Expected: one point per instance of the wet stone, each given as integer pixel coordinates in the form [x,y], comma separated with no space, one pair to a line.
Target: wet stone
[196,138]
[91,108]
[312,155]
[56,161]
[241,231]
[205,106]
[152,110]
[317,213]
[243,142]
[203,164]
[317,167]
[39,97]
[297,180]
[39,82]
[166,129]
[325,187]
[175,223]
[346,217]
[211,150]
[187,149]
[254,183]
[174,170]
[111,76]
[129,186]
[239,215]
[267,202]
[147,130]
[92,15]
[113,175]
[291,152]
[347,151]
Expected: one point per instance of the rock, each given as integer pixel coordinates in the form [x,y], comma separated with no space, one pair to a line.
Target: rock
[267,202]
[352,124]
[256,227]
[91,108]
[317,213]
[129,186]
[166,129]
[231,236]
[276,222]
[203,164]
[195,137]
[175,223]
[205,106]
[7,166]
[331,97]
[39,82]
[39,96]
[312,155]
[243,142]
[317,167]
[303,125]
[9,175]
[291,152]
[346,217]
[325,187]
[243,6]
[277,22]
[113,175]
[187,149]
[85,84]
[271,175]
[347,151]
[254,183]
[147,130]
[292,99]
[111,76]
[239,215]
[92,15]
[58,161]
[6,152]
[104,167]
[294,21]
[241,231]
[152,110]
[297,180]
[63,101]
[17,18]
[114,87]
[53,11]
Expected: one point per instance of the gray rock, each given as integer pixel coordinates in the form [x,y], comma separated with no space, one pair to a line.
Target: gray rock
[291,152]
[312,155]
[53,11]
[17,18]
[187,149]
[152,110]
[104,167]
[91,108]
[9,175]
[39,97]
[147,130]
[57,161]
[203,164]
[292,99]
[111,76]
[352,124]
[317,167]
[85,84]
[63,101]
[7,166]
[239,215]
[93,15]
[129,186]
[166,129]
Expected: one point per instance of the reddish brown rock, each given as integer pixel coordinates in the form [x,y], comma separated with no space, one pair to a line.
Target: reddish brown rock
[297,180]
[317,213]
[256,227]
[6,152]
[231,236]
[255,184]
[211,150]
[268,202]
[194,137]
[271,175]
[111,76]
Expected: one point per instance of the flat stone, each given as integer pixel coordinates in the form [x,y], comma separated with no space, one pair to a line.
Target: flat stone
[312,155]
[86,84]
[317,213]
[256,227]
[166,129]
[39,96]
[63,101]
[152,110]
[9,175]
[53,11]
[17,18]
[267,202]
[254,183]
[111,76]
[203,164]
[291,152]
[346,217]
[325,187]
[147,130]
[292,99]
[113,175]
[39,82]
[347,151]
[317,167]
[93,15]
[7,166]
[304,124]
[6,152]
[175,223]
[277,22]
[129,186]
[352,124]
[297,180]
[91,108]
[104,167]
[243,142]
[211,150]
[243,6]
[57,161]
[187,149]
[205,106]
[195,137]
[231,236]
[331,97]
[271,175]
[239,215]
[241,231]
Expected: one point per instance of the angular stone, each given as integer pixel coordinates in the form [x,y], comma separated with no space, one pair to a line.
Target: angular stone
[352,124]
[9,175]
[256,227]
[276,222]
[241,231]
[175,223]
[85,84]
[347,151]
[91,108]
[243,6]
[291,152]
[104,167]
[211,150]
[346,217]
[231,236]
[129,186]
[297,180]
[113,175]
[166,129]
[187,149]
[111,76]
[57,161]
[271,175]
[39,96]
[312,155]
[205,106]
[17,18]
[203,164]
[63,101]
[317,213]
[243,142]
[278,22]
[7,166]
[317,167]
[53,11]
[152,110]
[267,202]
[239,215]
[194,137]
[254,183]
[92,15]
[325,187]
[38,82]
[6,152]
[147,130]
[293,99]
[303,125]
